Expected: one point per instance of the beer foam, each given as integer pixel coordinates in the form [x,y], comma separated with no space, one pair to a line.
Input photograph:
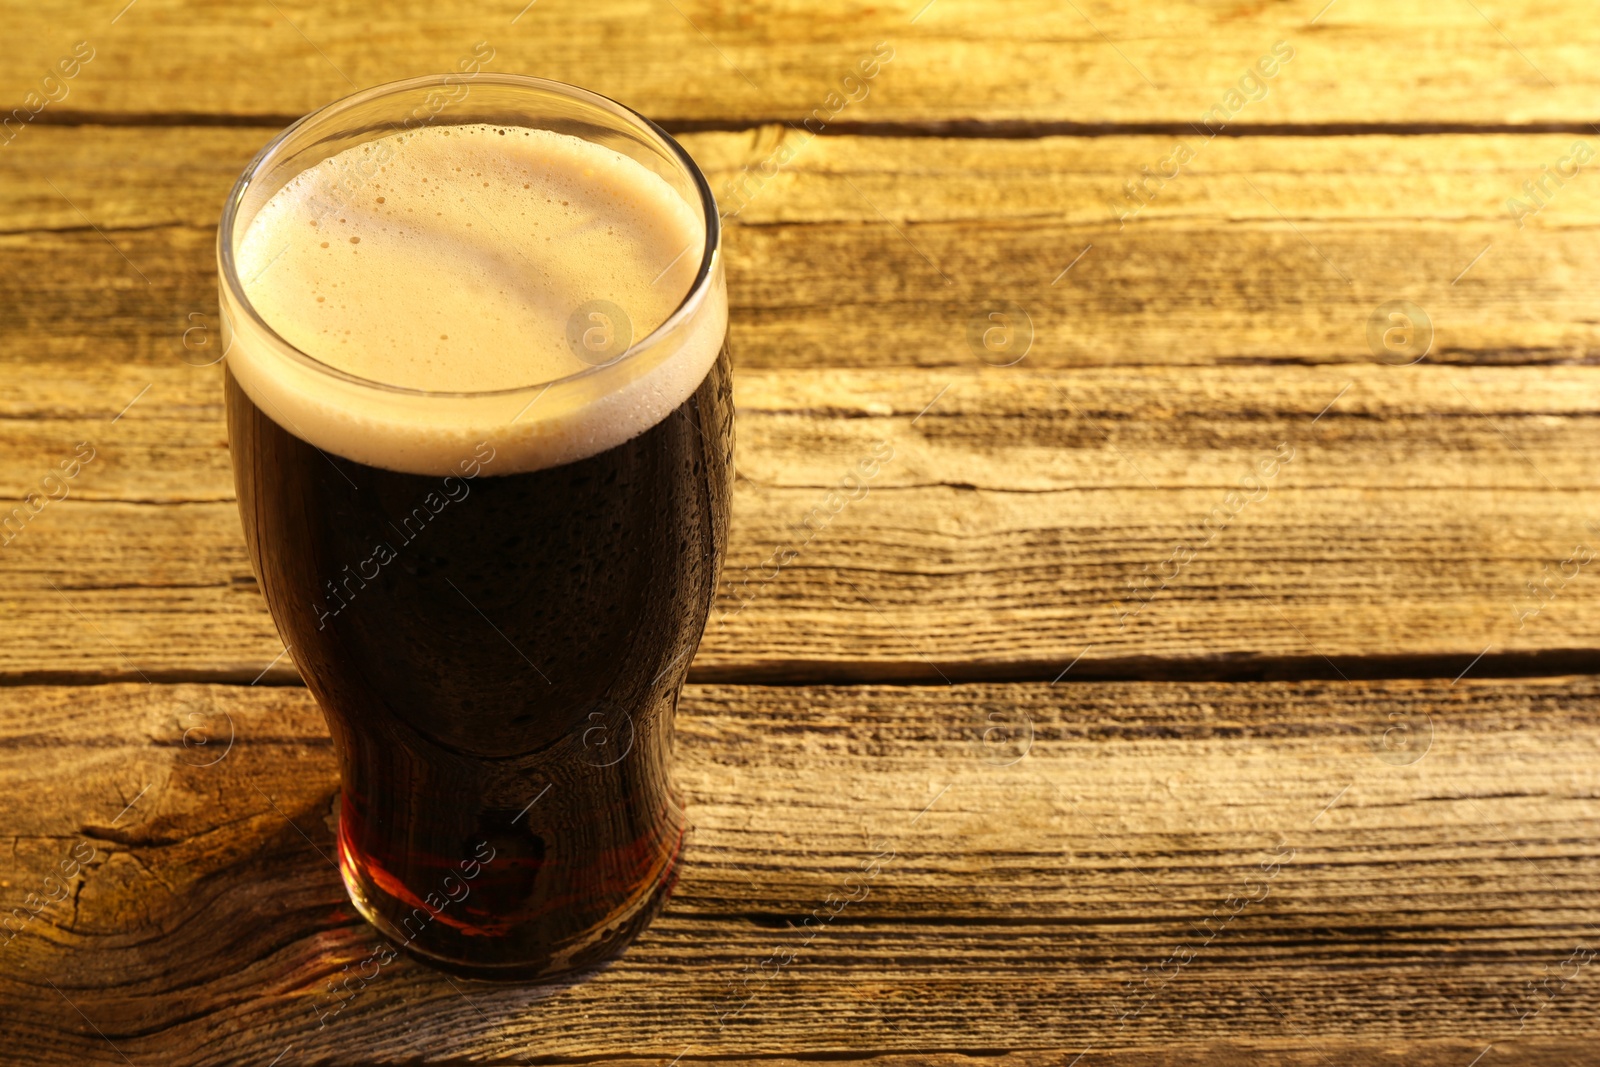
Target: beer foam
[473,259]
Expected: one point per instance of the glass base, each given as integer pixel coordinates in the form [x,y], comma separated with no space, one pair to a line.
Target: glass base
[574,954]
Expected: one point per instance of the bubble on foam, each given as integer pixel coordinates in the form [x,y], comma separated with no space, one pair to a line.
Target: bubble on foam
[459,265]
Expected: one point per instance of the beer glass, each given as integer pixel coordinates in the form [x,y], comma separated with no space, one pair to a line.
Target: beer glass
[493,593]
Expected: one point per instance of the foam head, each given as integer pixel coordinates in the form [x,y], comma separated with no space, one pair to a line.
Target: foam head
[480,261]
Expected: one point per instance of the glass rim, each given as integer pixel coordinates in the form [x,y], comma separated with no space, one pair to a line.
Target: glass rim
[685,310]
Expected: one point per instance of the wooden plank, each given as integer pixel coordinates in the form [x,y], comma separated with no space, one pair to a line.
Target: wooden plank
[1077,880]
[1023,522]
[1110,61]
[1272,249]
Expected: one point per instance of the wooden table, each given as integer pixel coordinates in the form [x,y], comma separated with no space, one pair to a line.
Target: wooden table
[1159,765]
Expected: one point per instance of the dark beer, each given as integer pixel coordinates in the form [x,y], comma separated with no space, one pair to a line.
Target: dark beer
[493,589]
[499,658]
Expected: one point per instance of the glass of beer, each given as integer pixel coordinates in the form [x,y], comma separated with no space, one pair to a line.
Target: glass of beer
[479,409]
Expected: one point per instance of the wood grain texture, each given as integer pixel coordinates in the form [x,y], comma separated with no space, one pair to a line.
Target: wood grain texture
[1015,522]
[1053,848]
[1109,61]
[1263,250]
[1119,873]
[1476,478]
